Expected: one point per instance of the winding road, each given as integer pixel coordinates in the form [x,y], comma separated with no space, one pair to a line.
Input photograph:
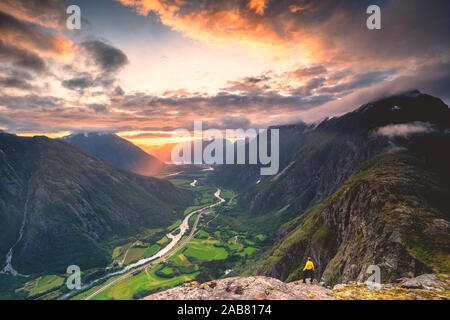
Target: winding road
[164,253]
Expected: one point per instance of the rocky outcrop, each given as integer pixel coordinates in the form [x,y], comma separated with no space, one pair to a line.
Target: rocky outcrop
[423,287]
[425,281]
[245,288]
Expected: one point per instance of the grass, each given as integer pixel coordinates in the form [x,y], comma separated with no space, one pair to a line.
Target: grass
[363,292]
[167,270]
[175,225]
[180,259]
[144,281]
[247,251]
[151,251]
[41,285]
[46,283]
[163,240]
[205,250]
[133,254]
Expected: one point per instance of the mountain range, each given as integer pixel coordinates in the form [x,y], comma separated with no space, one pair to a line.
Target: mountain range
[118,152]
[369,187]
[60,205]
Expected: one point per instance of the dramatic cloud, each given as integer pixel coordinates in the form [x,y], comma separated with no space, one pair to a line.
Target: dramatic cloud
[47,13]
[232,64]
[21,58]
[31,37]
[317,30]
[13,82]
[79,83]
[105,56]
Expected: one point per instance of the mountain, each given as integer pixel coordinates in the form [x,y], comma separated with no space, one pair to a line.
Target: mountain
[117,151]
[369,187]
[61,206]
[316,160]
[392,213]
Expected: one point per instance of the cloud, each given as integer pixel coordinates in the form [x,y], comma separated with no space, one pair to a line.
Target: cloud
[108,58]
[231,122]
[21,58]
[81,82]
[432,78]
[404,130]
[99,108]
[317,31]
[31,101]
[47,13]
[28,36]
[359,81]
[15,82]
[302,73]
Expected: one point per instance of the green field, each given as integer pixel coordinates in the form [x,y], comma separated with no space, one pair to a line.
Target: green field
[167,270]
[205,250]
[142,283]
[42,285]
[162,241]
[247,251]
[216,247]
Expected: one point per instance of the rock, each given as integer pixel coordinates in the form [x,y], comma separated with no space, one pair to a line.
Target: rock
[416,296]
[425,281]
[245,288]
[339,286]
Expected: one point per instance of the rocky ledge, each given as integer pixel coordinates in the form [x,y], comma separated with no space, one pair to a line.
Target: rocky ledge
[424,287]
[245,288]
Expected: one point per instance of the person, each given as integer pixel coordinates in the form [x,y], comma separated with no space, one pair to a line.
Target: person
[308,271]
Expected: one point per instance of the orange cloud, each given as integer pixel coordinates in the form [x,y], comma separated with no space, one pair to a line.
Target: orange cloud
[48,13]
[258,5]
[229,25]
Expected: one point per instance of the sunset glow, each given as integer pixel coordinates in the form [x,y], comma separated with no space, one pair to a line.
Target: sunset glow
[145,68]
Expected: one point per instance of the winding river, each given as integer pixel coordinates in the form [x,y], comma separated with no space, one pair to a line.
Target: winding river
[184,226]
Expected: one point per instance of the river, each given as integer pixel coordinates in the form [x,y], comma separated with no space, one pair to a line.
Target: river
[184,226]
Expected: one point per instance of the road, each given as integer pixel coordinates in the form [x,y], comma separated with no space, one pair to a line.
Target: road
[169,253]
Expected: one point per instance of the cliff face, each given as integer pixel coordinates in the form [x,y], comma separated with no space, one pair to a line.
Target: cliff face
[64,206]
[392,213]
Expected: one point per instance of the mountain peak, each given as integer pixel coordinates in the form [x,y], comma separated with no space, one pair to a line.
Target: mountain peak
[117,151]
[407,107]
[87,134]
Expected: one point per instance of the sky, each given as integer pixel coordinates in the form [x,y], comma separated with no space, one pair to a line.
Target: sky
[143,68]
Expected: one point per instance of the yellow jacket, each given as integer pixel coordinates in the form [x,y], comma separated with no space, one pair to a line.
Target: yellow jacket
[309,266]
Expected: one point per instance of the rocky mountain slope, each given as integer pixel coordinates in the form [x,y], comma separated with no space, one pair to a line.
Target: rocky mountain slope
[316,160]
[117,151]
[369,187]
[392,213]
[61,206]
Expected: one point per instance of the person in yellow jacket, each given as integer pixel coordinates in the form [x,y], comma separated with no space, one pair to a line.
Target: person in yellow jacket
[308,271]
